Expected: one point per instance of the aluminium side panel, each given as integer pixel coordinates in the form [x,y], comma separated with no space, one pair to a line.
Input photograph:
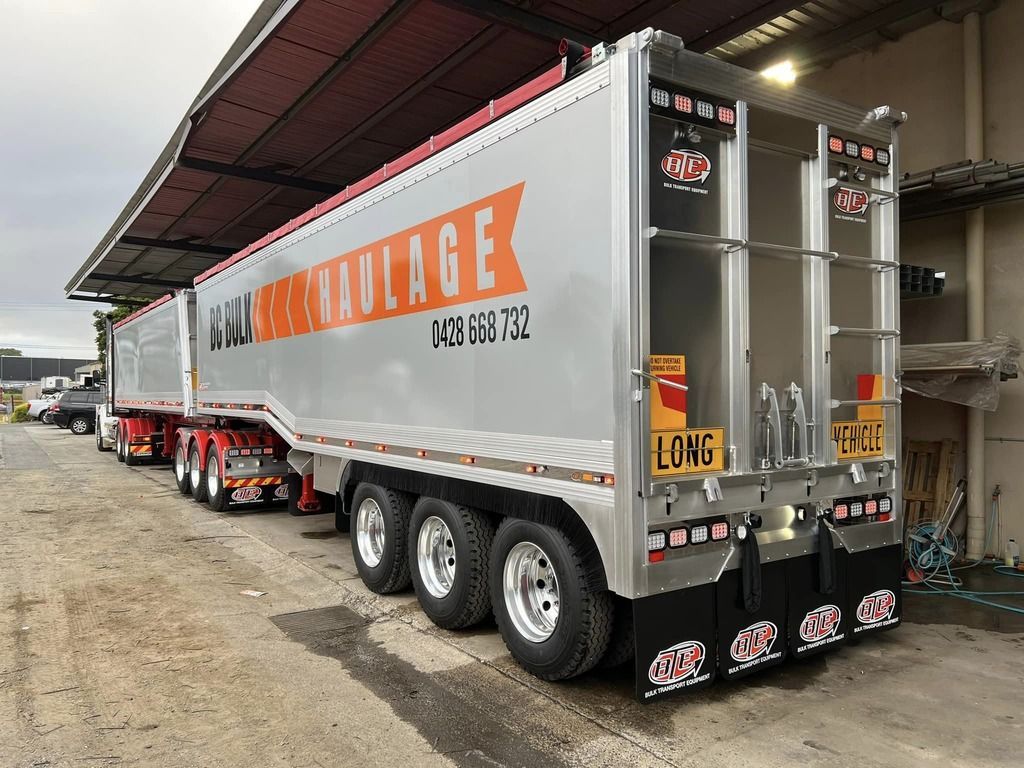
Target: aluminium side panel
[462,309]
[149,368]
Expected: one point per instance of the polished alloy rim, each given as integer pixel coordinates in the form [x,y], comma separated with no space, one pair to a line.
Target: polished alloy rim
[78,427]
[370,533]
[435,555]
[193,470]
[531,591]
[212,477]
[179,463]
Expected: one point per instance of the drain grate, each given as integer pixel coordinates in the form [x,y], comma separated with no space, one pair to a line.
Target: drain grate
[318,622]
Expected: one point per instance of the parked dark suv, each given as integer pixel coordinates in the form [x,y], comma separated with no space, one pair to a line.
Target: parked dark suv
[76,410]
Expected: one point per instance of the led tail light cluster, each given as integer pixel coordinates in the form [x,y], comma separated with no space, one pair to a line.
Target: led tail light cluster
[688,105]
[699,533]
[865,152]
[862,509]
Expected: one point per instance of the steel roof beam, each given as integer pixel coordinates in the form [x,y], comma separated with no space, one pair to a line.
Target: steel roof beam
[110,300]
[200,249]
[140,280]
[521,20]
[256,174]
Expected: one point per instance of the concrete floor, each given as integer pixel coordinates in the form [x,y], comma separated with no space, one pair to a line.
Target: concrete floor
[125,641]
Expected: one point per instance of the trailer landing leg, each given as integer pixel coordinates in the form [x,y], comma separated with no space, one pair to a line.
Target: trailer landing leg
[308,503]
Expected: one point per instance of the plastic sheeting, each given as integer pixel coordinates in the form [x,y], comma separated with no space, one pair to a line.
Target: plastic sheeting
[966,372]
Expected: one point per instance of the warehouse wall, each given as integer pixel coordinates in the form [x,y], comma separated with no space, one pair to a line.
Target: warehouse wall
[922,73]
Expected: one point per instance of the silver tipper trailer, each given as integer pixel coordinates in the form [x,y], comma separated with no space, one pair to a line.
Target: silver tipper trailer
[615,359]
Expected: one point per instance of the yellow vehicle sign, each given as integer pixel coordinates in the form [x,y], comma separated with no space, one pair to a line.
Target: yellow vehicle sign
[687,451]
[858,439]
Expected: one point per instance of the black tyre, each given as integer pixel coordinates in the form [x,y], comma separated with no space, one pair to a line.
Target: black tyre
[622,645]
[79,425]
[118,444]
[196,475]
[216,496]
[380,537]
[45,417]
[180,464]
[99,442]
[449,558]
[553,624]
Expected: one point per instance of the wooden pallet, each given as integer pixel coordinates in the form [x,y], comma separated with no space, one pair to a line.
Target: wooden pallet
[929,477]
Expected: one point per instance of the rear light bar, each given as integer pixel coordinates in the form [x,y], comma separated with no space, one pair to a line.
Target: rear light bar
[840,146]
[689,105]
[263,451]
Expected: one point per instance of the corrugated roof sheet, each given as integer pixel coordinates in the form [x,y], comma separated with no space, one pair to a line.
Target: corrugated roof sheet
[318,93]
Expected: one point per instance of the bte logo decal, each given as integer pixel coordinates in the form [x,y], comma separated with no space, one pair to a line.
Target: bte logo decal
[687,165]
[754,641]
[851,201]
[250,493]
[877,606]
[677,663]
[820,623]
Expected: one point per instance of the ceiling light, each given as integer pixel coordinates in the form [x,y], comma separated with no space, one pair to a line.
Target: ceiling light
[782,73]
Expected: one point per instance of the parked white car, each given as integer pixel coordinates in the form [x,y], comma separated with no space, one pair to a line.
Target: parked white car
[39,409]
[106,429]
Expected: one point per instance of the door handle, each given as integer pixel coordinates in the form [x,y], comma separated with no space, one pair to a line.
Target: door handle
[772,456]
[651,377]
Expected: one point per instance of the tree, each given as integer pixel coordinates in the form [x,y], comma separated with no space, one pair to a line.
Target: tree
[100,324]
[10,352]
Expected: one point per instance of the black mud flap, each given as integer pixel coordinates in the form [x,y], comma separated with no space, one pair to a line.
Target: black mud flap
[749,642]
[818,617]
[874,595]
[675,642]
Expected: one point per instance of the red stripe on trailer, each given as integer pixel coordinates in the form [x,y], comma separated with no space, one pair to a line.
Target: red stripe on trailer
[494,110]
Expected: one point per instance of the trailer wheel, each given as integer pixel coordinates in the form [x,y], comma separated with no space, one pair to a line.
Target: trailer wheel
[380,528]
[215,494]
[196,474]
[553,624]
[449,554]
[181,469]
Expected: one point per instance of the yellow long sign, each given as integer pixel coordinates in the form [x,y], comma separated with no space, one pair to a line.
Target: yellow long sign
[687,451]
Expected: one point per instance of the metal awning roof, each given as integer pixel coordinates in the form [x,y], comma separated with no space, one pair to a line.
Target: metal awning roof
[316,94]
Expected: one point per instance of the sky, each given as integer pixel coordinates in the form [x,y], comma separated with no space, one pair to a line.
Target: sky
[91,92]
